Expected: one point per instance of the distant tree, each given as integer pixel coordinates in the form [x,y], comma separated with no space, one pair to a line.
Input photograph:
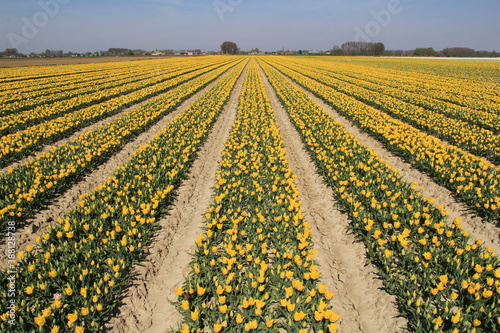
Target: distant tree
[356,48]
[256,50]
[458,52]
[53,53]
[229,48]
[424,52]
[394,53]
[117,51]
[11,52]
[377,49]
[337,51]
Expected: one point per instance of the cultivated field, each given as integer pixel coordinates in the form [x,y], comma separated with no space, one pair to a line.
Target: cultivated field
[251,194]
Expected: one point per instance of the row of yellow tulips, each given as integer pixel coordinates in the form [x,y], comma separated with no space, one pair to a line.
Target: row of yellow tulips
[63,75]
[19,119]
[22,143]
[71,281]
[473,181]
[405,89]
[254,269]
[26,189]
[475,139]
[19,100]
[443,281]
[472,84]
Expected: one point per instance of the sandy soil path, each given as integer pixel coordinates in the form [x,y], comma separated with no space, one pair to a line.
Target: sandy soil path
[6,62]
[60,206]
[359,295]
[146,308]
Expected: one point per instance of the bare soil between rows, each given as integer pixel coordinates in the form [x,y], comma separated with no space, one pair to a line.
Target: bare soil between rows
[22,62]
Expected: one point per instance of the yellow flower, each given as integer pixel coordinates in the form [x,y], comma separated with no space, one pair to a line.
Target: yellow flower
[179,291]
[195,314]
[427,255]
[84,311]
[46,312]
[217,328]
[200,291]
[251,325]
[79,329]
[456,318]
[57,304]
[476,322]
[55,329]
[269,323]
[53,273]
[72,317]
[68,291]
[28,290]
[239,318]
[332,328]
[298,316]
[332,316]
[487,293]
[40,320]
[329,294]
[297,284]
[321,288]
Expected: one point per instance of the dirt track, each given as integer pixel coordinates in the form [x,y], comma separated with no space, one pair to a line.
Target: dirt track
[21,62]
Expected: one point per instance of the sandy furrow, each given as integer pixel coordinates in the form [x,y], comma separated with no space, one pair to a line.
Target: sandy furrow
[146,305]
[359,296]
[488,232]
[60,206]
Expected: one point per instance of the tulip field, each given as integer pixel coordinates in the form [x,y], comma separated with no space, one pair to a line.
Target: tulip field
[257,259]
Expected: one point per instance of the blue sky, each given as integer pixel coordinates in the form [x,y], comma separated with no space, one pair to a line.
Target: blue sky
[92,25]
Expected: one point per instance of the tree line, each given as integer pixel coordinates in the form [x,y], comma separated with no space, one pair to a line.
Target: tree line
[227,47]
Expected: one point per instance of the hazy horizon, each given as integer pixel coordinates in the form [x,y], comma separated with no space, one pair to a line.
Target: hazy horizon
[71,25]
